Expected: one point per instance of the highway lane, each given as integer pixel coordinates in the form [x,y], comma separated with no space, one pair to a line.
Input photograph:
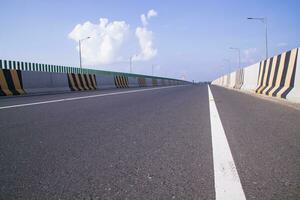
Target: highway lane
[265,141]
[153,144]
[38,98]
[147,145]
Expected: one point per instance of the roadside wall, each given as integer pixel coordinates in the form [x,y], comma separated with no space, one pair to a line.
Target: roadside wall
[250,77]
[43,82]
[278,76]
[20,78]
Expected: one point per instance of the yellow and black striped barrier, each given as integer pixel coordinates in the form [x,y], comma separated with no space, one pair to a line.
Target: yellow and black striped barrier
[121,81]
[228,80]
[277,74]
[239,79]
[81,82]
[154,82]
[11,82]
[142,82]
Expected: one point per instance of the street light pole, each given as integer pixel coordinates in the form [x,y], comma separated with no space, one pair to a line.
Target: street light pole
[152,69]
[266,25]
[239,52]
[79,45]
[130,63]
[265,21]
[229,63]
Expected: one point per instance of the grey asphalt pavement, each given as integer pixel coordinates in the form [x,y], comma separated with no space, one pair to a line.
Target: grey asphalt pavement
[264,137]
[153,144]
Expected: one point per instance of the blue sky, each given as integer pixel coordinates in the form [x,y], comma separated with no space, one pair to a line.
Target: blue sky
[192,38]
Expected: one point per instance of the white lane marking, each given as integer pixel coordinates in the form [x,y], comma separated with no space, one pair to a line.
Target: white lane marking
[227,181]
[85,97]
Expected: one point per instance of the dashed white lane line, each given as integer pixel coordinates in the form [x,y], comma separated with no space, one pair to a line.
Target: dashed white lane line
[85,97]
[227,181]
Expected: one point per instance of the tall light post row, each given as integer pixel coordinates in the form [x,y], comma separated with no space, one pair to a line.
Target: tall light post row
[130,65]
[79,44]
[152,68]
[263,20]
[239,54]
[229,63]
[130,62]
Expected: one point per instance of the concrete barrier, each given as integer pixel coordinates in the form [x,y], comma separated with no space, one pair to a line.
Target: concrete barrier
[232,79]
[148,82]
[17,78]
[250,78]
[121,81]
[239,78]
[142,82]
[277,76]
[82,82]
[44,82]
[294,94]
[105,82]
[154,82]
[133,82]
[11,82]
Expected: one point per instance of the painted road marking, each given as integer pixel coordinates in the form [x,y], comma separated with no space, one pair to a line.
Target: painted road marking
[227,181]
[85,97]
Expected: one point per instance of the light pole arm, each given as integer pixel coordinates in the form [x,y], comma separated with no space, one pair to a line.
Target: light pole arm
[79,45]
[265,21]
[266,24]
[239,58]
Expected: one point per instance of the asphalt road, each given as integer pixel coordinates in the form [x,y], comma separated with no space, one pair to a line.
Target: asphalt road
[153,144]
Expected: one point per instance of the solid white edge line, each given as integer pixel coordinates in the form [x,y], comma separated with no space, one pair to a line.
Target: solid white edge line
[85,97]
[227,181]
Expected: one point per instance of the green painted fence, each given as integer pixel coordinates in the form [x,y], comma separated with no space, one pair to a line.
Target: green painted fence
[28,66]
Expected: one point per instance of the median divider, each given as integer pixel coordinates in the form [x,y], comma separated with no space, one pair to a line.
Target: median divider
[250,77]
[18,78]
[142,82]
[154,82]
[121,81]
[82,82]
[278,76]
[11,82]
[239,79]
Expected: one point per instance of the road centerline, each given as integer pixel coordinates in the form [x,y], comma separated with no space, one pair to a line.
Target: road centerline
[227,182]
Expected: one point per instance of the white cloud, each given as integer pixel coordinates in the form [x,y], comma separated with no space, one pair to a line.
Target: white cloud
[249,52]
[282,44]
[250,55]
[105,42]
[144,20]
[107,38]
[151,13]
[145,38]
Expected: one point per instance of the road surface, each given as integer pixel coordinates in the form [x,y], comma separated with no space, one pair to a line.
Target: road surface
[145,144]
